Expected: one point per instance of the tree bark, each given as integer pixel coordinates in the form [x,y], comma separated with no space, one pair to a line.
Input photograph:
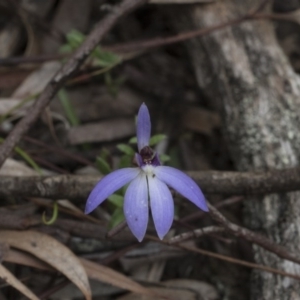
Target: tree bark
[246,75]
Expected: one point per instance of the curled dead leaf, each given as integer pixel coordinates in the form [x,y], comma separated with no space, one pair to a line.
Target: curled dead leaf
[93,270]
[52,252]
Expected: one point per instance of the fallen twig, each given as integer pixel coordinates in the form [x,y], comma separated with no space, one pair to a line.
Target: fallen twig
[252,237]
[221,204]
[228,259]
[195,234]
[238,231]
[211,182]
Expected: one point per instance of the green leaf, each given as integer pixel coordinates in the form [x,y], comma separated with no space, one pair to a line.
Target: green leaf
[113,84]
[65,49]
[125,161]
[174,158]
[125,149]
[106,58]
[68,108]
[102,165]
[117,217]
[75,38]
[54,215]
[155,139]
[133,140]
[26,157]
[117,200]
[104,153]
[164,158]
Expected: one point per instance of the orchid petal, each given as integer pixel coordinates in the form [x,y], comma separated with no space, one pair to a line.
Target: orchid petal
[143,128]
[139,159]
[183,184]
[162,205]
[156,161]
[108,185]
[136,209]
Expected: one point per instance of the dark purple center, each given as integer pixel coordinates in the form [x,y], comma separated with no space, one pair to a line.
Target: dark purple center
[147,154]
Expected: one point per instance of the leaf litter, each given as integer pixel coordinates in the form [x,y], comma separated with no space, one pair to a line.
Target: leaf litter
[104,95]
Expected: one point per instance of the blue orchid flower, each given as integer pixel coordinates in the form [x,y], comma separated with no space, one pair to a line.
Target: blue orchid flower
[148,184]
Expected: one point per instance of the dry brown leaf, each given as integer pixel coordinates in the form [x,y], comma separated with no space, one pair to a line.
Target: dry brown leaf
[180,1]
[6,104]
[52,252]
[13,167]
[178,289]
[69,205]
[107,275]
[102,104]
[37,80]
[104,131]
[93,270]
[25,259]
[203,290]
[100,291]
[16,283]
[170,294]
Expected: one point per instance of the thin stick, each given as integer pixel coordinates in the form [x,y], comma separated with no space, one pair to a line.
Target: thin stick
[164,41]
[228,259]
[221,204]
[252,237]
[195,234]
[65,73]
